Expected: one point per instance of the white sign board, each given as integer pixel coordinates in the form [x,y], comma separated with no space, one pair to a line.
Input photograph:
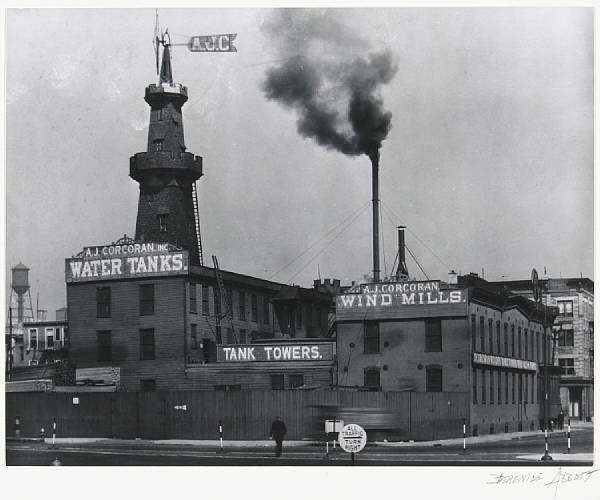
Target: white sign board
[75,401]
[333,425]
[352,438]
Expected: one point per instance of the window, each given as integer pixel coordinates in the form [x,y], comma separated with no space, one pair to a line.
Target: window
[433,378]
[512,388]
[526,388]
[491,335]
[433,335]
[483,387]
[254,302]
[299,316]
[506,339]
[242,336]
[242,305]
[162,222]
[533,389]
[148,385]
[193,299]
[499,387]
[217,301]
[104,342]
[371,344]
[147,343]
[33,333]
[194,335]
[506,387]
[520,395]
[296,380]
[519,343]
[49,338]
[491,387]
[498,340]
[146,300]
[482,334]
[277,383]
[158,144]
[473,333]
[57,334]
[565,307]
[567,366]
[230,339]
[565,336]
[537,347]
[266,314]
[103,302]
[372,379]
[474,385]
[512,340]
[205,304]
[526,344]
[218,336]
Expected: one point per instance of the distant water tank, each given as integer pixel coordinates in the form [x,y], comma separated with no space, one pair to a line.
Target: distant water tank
[20,279]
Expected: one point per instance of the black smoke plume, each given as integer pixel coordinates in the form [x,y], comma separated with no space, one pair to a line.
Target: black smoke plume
[336,97]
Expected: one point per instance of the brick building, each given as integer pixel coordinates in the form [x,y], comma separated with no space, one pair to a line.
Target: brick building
[467,337]
[573,342]
[150,307]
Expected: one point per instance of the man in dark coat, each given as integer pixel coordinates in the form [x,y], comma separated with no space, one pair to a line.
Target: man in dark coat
[278,431]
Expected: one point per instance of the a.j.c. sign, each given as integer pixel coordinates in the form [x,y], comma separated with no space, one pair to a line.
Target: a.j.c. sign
[130,260]
[322,351]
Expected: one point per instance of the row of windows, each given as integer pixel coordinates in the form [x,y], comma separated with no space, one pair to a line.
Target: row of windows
[433,378]
[433,336]
[496,338]
[52,338]
[496,386]
[241,336]
[104,301]
[241,312]
[104,344]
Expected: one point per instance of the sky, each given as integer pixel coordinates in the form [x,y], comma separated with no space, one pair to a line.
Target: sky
[489,159]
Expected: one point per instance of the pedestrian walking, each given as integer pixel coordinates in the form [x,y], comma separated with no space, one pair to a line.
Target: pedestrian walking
[561,420]
[278,431]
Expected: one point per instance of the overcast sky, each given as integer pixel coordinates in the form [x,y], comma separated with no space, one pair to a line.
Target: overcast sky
[489,161]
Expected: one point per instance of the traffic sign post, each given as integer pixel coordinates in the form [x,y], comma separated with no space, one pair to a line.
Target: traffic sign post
[352,439]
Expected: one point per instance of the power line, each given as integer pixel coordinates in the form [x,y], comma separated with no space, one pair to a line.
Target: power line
[358,210]
[415,259]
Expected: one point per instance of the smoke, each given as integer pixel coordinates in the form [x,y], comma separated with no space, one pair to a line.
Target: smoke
[334,92]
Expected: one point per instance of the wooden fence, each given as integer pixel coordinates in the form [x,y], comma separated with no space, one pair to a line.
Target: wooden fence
[244,414]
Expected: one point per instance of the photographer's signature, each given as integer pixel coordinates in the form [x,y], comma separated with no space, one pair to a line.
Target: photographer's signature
[559,477]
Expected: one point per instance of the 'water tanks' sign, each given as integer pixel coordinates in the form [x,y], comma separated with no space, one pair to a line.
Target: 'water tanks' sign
[275,352]
[132,260]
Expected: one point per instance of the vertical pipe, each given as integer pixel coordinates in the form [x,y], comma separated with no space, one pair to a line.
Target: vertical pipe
[375,170]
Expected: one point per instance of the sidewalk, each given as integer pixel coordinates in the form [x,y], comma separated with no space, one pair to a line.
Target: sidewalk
[215,443]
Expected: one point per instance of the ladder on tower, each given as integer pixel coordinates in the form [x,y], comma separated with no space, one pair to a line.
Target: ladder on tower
[197,222]
[224,300]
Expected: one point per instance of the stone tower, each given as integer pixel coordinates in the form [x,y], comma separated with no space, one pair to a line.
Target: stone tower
[166,172]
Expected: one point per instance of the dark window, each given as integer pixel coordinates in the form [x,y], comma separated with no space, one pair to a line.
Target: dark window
[103,302]
[205,304]
[49,339]
[520,395]
[230,339]
[537,347]
[254,302]
[512,388]
[565,307]
[104,346]
[506,387]
[218,336]
[519,343]
[299,316]
[473,333]
[33,338]
[147,343]
[57,334]
[242,335]
[193,299]
[162,222]
[371,345]
[483,387]
[526,339]
[433,378]
[565,337]
[433,335]
[148,385]
[491,335]
[506,339]
[266,318]
[372,379]
[296,380]
[146,300]
[475,386]
[217,300]
[499,387]
[482,333]
[498,340]
[567,366]
[277,383]
[491,387]
[158,144]
[512,340]
[194,335]
[242,305]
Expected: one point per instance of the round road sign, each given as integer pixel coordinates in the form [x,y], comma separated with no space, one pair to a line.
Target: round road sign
[352,438]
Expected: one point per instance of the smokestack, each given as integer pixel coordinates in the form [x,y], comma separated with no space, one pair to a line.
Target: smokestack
[402,271]
[375,169]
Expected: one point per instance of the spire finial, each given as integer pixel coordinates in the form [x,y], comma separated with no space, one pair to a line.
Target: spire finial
[166,74]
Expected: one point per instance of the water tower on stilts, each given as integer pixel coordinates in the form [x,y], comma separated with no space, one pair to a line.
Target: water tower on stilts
[19,290]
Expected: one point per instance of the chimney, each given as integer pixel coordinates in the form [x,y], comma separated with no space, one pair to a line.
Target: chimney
[375,190]
[401,271]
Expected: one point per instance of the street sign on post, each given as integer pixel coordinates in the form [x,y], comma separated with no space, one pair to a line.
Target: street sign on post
[352,439]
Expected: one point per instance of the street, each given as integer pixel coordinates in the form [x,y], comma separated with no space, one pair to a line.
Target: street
[525,451]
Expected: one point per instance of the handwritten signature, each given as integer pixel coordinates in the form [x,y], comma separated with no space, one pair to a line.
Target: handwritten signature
[560,477]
